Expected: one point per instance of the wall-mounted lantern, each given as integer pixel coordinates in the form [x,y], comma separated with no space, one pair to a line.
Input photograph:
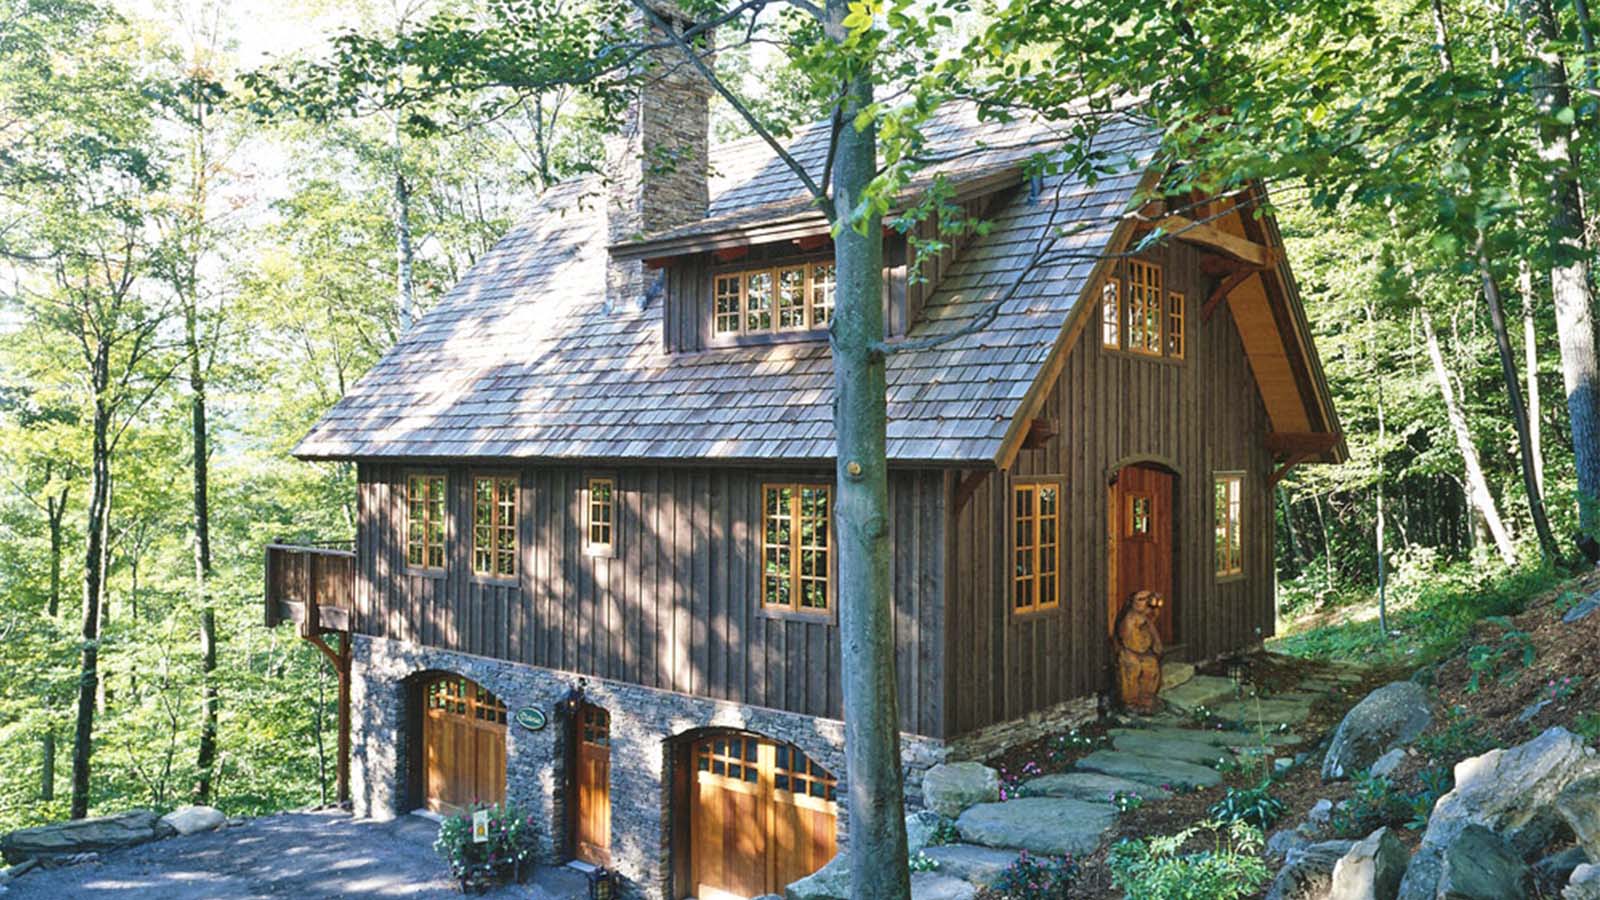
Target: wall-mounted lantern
[602,884]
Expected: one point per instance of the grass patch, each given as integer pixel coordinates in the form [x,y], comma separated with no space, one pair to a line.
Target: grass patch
[1430,613]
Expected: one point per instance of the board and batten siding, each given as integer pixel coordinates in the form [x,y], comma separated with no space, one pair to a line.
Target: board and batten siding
[675,607]
[1201,416]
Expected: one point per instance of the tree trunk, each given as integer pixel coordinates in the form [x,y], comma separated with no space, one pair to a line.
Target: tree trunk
[1569,272]
[1291,540]
[56,512]
[404,257]
[206,754]
[47,769]
[1477,486]
[878,863]
[1519,413]
[1530,354]
[93,585]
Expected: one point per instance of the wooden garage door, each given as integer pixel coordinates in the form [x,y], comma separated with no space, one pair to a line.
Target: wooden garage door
[761,815]
[463,745]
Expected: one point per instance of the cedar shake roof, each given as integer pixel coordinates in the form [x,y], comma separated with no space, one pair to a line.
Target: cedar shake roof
[522,360]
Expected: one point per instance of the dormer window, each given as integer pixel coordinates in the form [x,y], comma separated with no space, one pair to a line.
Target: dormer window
[773,299]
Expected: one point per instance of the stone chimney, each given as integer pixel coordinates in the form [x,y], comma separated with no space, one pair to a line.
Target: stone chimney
[656,163]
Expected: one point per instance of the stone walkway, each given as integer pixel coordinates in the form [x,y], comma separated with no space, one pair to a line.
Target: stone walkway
[1206,724]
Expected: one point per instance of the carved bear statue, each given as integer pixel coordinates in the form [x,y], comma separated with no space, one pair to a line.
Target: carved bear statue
[1138,644]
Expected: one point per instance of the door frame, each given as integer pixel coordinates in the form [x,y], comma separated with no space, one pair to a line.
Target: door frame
[1113,534]
[574,811]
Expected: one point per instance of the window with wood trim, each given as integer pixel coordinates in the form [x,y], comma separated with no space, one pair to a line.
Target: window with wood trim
[1036,545]
[1136,316]
[425,505]
[1228,512]
[1111,314]
[494,525]
[798,774]
[773,300]
[1139,515]
[796,547]
[1175,333]
[602,515]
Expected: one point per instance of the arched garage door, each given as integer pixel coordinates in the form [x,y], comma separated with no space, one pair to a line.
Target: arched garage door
[463,745]
[761,815]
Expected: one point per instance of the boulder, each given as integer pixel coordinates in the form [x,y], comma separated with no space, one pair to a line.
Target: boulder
[1091,787]
[1200,753]
[193,819]
[1148,769]
[949,788]
[1584,885]
[969,862]
[1051,826]
[831,882]
[1371,870]
[1583,610]
[1579,805]
[1284,841]
[920,827]
[1320,814]
[63,839]
[1388,763]
[1307,873]
[1503,791]
[1556,869]
[1480,865]
[1391,716]
[939,886]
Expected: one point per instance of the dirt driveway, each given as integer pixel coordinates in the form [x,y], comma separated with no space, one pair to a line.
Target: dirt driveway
[300,855]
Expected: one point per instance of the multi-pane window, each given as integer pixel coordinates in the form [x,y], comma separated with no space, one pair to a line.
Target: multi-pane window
[778,299]
[1230,535]
[596,726]
[602,514]
[1175,346]
[425,502]
[732,757]
[1036,545]
[1138,317]
[799,774]
[494,525]
[796,544]
[1110,315]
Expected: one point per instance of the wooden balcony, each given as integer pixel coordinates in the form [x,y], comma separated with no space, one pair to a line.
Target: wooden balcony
[311,586]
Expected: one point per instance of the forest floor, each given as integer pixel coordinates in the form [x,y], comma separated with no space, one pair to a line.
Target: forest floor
[307,855]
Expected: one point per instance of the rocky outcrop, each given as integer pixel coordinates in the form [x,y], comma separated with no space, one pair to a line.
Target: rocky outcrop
[1049,826]
[1585,884]
[980,865]
[1307,873]
[1479,865]
[920,828]
[831,882]
[49,843]
[1371,869]
[939,886]
[1579,805]
[949,788]
[194,819]
[1555,870]
[1389,717]
[1504,791]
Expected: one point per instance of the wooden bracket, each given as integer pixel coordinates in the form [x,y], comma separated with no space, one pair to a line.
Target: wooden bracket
[340,659]
[1278,474]
[1219,295]
[967,486]
[1040,431]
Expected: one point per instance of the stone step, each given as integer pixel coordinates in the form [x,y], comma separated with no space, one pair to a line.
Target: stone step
[1148,769]
[1201,753]
[1053,826]
[981,866]
[1092,787]
[1238,740]
[1272,711]
[1201,690]
[939,886]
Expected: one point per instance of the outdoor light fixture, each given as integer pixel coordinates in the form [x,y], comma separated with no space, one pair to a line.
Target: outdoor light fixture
[572,699]
[1237,669]
[602,886]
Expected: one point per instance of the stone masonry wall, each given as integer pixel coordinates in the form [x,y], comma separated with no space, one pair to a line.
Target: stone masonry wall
[644,724]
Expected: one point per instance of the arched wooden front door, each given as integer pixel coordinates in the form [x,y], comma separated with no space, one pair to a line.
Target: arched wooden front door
[1142,517]
[761,815]
[592,783]
[463,745]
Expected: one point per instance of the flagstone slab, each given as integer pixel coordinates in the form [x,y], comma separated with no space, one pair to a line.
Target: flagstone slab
[981,866]
[1148,769]
[1221,737]
[1092,787]
[1201,753]
[1201,690]
[1271,711]
[1053,826]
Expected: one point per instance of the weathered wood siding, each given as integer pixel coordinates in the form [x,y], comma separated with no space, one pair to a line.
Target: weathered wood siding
[1200,416]
[676,607]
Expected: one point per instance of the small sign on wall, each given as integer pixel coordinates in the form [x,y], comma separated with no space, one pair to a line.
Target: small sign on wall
[480,827]
[531,718]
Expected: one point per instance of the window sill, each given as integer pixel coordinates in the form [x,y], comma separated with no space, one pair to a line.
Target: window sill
[496,580]
[423,572]
[606,551]
[1144,357]
[827,617]
[1038,612]
[1229,579]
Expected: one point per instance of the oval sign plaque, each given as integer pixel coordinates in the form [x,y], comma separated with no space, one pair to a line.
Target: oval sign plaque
[531,718]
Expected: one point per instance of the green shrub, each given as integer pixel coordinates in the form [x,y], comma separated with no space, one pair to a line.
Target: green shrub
[945,833]
[1158,868]
[1375,803]
[1588,727]
[1462,736]
[1504,659]
[1255,806]
[511,843]
[1036,878]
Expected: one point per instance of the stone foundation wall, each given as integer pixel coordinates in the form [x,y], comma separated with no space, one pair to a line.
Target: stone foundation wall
[987,742]
[644,724]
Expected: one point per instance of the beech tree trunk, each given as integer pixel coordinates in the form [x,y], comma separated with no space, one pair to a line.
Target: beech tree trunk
[1519,413]
[55,512]
[206,754]
[878,863]
[1569,272]
[405,283]
[94,533]
[1477,486]
[1530,361]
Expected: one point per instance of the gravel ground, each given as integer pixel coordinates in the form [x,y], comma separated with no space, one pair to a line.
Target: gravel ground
[300,855]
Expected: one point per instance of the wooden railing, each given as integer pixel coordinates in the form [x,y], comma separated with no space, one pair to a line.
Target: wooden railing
[312,586]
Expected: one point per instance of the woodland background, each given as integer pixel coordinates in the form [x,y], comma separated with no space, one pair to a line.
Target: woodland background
[178,271]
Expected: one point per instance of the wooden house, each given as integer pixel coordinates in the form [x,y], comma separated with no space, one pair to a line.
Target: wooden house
[593,573]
